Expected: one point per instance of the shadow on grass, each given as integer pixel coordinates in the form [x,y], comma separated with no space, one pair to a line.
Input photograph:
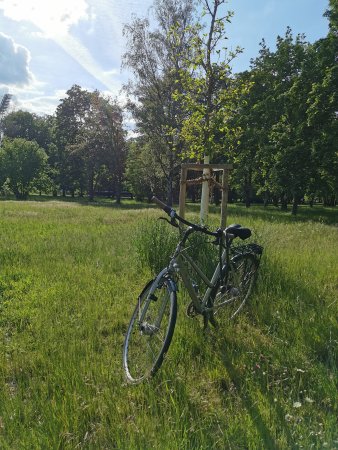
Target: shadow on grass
[301,312]
[295,329]
[317,213]
[250,403]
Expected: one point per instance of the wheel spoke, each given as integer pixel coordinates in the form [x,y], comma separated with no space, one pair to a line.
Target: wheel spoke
[240,282]
[146,342]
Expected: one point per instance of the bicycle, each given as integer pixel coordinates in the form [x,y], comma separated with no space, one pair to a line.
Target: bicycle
[152,324]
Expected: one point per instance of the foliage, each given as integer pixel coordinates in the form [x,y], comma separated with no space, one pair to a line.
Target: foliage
[288,123]
[100,142]
[89,136]
[277,122]
[23,163]
[207,92]
[155,58]
[29,126]
[144,175]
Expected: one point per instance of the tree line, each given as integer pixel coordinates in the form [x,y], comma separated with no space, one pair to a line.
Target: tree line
[79,149]
[276,122]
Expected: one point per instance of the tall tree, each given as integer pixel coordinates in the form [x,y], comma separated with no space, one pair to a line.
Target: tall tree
[278,115]
[69,124]
[322,108]
[100,143]
[155,58]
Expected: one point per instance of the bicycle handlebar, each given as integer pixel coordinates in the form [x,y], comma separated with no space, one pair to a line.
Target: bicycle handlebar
[172,213]
[166,208]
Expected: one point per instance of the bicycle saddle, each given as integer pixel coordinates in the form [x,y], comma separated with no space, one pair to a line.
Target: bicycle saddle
[238,231]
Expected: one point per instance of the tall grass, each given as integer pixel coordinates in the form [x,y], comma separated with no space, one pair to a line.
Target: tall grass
[69,278]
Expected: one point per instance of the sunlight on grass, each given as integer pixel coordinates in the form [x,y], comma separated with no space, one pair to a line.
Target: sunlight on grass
[69,279]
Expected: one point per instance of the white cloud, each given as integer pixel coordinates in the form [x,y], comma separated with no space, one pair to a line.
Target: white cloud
[33,98]
[71,23]
[40,104]
[14,62]
[53,17]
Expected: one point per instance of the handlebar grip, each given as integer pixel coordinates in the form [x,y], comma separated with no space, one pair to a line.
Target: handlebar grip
[162,205]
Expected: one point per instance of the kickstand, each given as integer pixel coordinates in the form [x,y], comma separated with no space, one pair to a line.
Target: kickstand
[209,318]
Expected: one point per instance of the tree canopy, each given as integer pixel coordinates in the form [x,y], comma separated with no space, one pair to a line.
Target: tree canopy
[22,163]
[276,122]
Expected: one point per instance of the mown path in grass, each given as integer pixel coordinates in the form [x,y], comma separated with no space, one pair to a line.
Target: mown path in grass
[69,278]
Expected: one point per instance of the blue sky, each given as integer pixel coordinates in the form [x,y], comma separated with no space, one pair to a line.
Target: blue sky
[46,46]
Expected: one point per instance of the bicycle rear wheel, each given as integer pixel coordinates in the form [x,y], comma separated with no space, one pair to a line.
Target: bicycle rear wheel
[150,330]
[230,299]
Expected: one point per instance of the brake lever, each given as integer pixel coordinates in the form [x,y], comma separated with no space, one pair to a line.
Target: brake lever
[171,222]
[218,239]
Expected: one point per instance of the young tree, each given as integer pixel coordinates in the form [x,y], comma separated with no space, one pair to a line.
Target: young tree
[208,94]
[22,163]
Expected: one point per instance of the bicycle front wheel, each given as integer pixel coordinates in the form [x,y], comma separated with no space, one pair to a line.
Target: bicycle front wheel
[150,330]
[230,299]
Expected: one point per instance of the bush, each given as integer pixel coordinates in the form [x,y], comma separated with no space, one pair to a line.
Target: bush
[156,241]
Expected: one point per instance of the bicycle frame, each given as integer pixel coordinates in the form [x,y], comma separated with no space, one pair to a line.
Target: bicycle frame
[179,263]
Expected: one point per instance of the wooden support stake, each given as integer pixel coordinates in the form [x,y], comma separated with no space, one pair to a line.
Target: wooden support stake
[224,186]
[224,201]
[183,190]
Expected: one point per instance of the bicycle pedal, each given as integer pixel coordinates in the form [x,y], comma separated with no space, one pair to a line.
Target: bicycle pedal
[234,292]
[153,297]
[191,310]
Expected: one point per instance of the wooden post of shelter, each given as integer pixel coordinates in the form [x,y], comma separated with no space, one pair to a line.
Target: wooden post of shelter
[224,186]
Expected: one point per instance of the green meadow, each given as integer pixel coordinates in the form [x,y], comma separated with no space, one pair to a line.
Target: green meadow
[69,279]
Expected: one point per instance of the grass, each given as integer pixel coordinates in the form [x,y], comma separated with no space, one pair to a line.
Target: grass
[69,277]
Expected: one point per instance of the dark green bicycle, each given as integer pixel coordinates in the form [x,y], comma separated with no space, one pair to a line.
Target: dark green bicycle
[153,321]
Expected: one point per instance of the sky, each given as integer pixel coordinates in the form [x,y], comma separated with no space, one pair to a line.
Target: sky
[46,46]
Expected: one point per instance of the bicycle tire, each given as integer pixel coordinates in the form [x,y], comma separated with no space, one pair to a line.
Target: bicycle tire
[146,343]
[241,279]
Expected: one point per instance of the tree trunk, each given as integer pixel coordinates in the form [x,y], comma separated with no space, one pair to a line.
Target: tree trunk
[91,186]
[295,205]
[247,190]
[329,200]
[205,194]
[193,194]
[217,192]
[266,199]
[311,201]
[118,192]
[284,203]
